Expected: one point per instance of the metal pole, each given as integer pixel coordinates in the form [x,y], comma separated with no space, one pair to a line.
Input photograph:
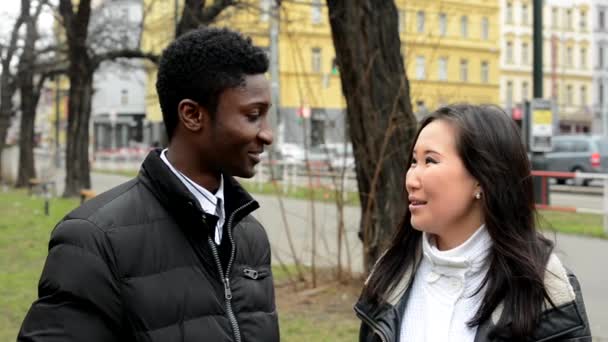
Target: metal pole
[277,124]
[57,123]
[605,206]
[538,49]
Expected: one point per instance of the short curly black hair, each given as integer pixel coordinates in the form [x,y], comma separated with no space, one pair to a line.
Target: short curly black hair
[200,65]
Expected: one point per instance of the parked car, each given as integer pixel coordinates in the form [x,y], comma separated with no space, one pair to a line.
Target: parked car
[583,153]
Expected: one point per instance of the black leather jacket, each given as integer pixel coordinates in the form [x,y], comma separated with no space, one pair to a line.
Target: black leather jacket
[570,323]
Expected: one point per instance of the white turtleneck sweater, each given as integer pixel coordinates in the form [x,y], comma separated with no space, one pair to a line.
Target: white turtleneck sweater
[440,302]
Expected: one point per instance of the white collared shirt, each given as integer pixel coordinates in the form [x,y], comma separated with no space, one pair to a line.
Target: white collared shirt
[211,203]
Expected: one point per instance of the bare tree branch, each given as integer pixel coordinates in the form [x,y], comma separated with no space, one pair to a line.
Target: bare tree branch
[126,53]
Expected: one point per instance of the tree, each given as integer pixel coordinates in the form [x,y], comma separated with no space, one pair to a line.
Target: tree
[85,59]
[8,85]
[379,113]
[29,93]
[196,14]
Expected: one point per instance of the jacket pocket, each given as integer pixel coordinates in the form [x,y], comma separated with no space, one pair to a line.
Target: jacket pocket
[255,273]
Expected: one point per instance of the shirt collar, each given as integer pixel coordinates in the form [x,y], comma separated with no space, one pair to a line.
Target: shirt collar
[469,255]
[206,198]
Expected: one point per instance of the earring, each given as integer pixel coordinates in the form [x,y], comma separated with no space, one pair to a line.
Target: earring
[478,195]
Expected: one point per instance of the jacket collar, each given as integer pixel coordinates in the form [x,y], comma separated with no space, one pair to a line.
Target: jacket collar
[180,202]
[388,316]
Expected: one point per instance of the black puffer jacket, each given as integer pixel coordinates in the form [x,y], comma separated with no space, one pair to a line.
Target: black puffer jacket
[137,264]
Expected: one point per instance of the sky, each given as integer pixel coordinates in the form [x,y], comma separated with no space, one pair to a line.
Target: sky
[9,10]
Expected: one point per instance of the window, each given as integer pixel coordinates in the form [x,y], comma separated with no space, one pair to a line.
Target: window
[600,95]
[317,12]
[443,24]
[443,69]
[420,22]
[484,72]
[509,95]
[583,21]
[569,19]
[583,57]
[401,21]
[485,34]
[525,53]
[601,19]
[524,14]
[583,95]
[420,68]
[554,15]
[569,58]
[264,10]
[509,52]
[509,13]
[124,97]
[464,70]
[524,90]
[464,26]
[569,95]
[600,57]
[316,60]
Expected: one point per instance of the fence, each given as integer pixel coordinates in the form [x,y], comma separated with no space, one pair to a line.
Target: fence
[544,204]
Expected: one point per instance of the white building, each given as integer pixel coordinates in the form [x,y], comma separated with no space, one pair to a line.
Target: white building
[599,52]
[567,67]
[118,106]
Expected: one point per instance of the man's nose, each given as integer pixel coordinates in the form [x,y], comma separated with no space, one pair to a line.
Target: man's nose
[266,136]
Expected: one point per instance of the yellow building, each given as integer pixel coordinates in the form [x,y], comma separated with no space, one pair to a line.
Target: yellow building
[450,50]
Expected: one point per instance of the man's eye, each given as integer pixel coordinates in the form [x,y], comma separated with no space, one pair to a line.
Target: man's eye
[253,116]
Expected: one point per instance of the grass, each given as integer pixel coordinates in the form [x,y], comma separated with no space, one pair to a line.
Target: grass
[573,223]
[24,235]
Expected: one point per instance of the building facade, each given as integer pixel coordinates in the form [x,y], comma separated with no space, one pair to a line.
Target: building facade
[450,51]
[118,104]
[567,66]
[599,53]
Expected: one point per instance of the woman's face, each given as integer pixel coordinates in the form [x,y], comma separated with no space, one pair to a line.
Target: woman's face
[441,191]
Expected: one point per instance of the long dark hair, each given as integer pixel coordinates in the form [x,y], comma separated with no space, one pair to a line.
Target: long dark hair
[490,147]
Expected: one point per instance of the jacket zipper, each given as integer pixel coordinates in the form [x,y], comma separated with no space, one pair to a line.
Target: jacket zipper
[225,278]
[377,330]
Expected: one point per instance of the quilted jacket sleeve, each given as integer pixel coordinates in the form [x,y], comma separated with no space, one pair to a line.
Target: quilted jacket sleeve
[78,296]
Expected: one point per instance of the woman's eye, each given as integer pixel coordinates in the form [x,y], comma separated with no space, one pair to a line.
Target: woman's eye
[430,160]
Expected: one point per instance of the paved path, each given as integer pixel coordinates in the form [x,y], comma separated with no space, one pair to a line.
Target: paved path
[585,256]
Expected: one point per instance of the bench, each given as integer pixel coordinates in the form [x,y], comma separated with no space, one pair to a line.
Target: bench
[86,194]
[38,186]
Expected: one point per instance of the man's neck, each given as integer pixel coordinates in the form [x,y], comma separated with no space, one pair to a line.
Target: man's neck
[187,164]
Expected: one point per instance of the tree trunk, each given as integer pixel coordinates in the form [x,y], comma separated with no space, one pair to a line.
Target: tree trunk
[379,112]
[78,172]
[80,72]
[25,76]
[6,108]
[7,88]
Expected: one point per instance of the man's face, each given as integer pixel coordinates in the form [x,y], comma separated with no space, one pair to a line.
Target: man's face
[240,127]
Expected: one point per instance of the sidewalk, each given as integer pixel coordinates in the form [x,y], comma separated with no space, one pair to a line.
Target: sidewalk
[585,256]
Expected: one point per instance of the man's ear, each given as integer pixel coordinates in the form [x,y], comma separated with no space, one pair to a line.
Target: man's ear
[193,116]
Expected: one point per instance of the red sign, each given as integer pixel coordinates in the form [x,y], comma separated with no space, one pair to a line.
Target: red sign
[517,113]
